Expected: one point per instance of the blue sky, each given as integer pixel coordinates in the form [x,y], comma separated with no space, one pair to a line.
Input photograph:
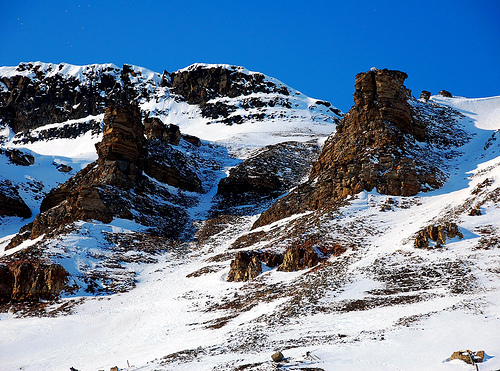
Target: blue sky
[316,47]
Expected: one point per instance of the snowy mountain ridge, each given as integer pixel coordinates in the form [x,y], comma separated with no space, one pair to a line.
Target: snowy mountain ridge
[363,296]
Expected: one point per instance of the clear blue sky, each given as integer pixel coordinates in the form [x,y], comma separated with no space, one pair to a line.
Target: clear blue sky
[316,47]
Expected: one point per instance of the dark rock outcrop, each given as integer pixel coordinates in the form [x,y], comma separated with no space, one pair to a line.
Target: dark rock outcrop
[18,157]
[195,141]
[155,129]
[445,93]
[31,281]
[41,94]
[425,95]
[111,187]
[168,165]
[11,203]
[438,234]
[244,267]
[267,174]
[198,83]
[375,147]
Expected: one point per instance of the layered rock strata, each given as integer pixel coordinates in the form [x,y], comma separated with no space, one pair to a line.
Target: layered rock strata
[374,147]
[111,187]
[30,281]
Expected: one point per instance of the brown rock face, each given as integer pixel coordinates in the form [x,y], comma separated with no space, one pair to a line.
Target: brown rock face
[244,267]
[298,258]
[30,281]
[438,234]
[369,150]
[198,84]
[122,150]
[85,196]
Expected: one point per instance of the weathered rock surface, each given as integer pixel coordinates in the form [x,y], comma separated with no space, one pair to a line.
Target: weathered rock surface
[445,93]
[168,165]
[42,94]
[11,203]
[383,143]
[18,157]
[244,267]
[267,174]
[221,90]
[468,356]
[198,84]
[111,187]
[425,95]
[155,129]
[30,281]
[438,234]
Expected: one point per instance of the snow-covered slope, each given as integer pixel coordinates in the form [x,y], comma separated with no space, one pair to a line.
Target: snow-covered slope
[381,305]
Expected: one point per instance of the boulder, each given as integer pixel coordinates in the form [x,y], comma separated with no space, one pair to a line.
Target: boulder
[277,357]
[468,356]
[438,234]
[298,258]
[425,95]
[445,93]
[195,141]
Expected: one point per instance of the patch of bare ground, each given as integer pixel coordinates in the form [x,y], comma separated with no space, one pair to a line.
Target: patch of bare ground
[52,308]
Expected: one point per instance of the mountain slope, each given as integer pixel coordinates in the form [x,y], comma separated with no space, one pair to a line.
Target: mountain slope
[378,301]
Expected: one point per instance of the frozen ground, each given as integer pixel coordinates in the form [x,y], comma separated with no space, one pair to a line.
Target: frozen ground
[381,306]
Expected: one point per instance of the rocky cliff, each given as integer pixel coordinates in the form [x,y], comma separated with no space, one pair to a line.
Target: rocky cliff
[111,187]
[387,141]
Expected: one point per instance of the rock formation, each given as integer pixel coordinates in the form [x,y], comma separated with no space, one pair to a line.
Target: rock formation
[198,84]
[11,203]
[267,174]
[244,267]
[374,147]
[41,95]
[437,234]
[30,281]
[111,187]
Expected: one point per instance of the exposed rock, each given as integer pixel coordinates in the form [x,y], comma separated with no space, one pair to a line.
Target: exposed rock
[468,356]
[40,94]
[113,186]
[63,168]
[195,141]
[30,281]
[277,357]
[376,146]
[267,174]
[19,158]
[11,203]
[170,166]
[174,134]
[425,95]
[298,258]
[445,93]
[244,267]
[198,84]
[122,150]
[155,129]
[438,234]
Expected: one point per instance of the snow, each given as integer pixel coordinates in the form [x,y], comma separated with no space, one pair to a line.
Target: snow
[169,312]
